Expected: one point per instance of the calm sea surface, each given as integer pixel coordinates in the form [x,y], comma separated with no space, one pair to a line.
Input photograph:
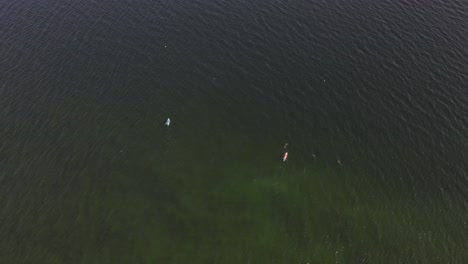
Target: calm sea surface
[371,97]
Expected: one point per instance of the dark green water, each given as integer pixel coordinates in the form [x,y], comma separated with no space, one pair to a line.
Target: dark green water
[371,98]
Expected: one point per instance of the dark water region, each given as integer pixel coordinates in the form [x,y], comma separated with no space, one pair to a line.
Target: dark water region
[371,98]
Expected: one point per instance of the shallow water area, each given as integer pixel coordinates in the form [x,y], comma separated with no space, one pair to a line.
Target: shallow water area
[370,98]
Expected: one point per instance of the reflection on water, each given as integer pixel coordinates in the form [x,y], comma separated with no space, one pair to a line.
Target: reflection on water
[370,100]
